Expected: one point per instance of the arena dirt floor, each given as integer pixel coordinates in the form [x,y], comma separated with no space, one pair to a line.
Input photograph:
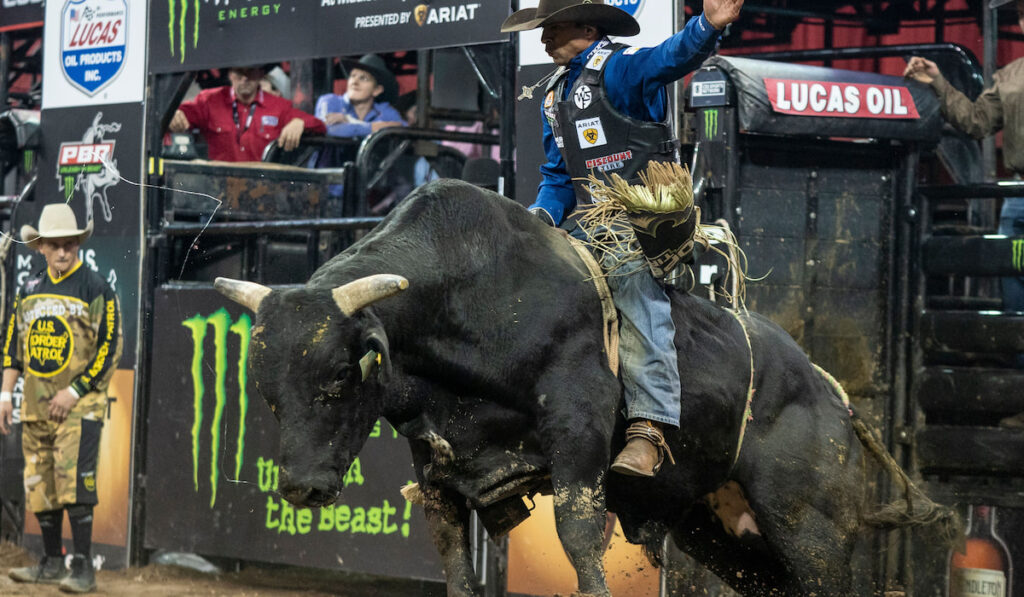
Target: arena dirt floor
[161,581]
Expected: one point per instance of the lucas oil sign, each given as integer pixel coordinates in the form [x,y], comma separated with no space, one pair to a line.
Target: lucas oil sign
[845,100]
[93,42]
[630,6]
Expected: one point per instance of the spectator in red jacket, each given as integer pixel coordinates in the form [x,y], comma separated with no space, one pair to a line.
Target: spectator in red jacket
[240,120]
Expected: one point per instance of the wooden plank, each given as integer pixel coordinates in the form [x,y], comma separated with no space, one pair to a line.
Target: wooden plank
[970,389]
[972,331]
[970,450]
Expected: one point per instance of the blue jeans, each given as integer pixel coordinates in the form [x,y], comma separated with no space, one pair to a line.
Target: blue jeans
[647,351]
[1011,223]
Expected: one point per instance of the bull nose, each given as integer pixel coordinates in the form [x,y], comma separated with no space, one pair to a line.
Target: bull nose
[311,497]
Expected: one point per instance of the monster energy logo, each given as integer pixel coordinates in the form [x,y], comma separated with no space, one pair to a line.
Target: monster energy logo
[222,325]
[1018,254]
[710,124]
[180,13]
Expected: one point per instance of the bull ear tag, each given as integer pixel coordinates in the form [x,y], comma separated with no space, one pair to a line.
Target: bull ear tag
[367,363]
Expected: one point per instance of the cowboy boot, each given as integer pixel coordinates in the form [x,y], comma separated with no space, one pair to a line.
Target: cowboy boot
[644,452]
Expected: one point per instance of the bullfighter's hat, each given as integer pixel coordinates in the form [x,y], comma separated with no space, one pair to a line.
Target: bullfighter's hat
[56,221]
[611,20]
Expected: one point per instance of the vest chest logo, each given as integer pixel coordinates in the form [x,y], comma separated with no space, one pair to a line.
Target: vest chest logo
[549,99]
[50,346]
[583,97]
[607,163]
[591,133]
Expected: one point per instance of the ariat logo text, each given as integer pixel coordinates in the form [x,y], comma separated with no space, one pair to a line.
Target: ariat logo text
[1018,254]
[710,124]
[222,325]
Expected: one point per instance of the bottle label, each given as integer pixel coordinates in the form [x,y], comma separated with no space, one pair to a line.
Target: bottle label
[975,582]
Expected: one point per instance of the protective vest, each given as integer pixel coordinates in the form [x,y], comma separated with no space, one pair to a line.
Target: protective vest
[595,137]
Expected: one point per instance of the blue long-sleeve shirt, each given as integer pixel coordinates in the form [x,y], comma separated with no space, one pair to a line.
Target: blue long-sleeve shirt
[634,82]
[330,103]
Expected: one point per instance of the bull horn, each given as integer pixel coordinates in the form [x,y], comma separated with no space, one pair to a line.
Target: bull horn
[247,294]
[365,291]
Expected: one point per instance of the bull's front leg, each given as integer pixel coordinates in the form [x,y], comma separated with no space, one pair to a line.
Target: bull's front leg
[447,519]
[577,437]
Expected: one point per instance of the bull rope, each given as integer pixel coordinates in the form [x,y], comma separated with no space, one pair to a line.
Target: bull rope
[748,408]
[610,327]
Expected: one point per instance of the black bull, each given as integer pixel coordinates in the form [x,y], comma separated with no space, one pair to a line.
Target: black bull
[492,364]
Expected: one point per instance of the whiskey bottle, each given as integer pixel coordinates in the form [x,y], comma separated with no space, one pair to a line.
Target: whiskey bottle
[985,568]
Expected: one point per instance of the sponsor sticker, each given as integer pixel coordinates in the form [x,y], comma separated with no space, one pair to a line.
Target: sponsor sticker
[549,99]
[269,121]
[93,42]
[632,50]
[709,89]
[615,161]
[842,100]
[591,133]
[583,97]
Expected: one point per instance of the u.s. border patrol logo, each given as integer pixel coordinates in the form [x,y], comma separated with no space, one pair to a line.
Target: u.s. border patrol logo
[93,36]
[583,97]
[50,345]
[631,6]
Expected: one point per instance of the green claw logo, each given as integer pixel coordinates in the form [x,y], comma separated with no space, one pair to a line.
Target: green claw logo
[1018,254]
[222,325]
[179,22]
[710,124]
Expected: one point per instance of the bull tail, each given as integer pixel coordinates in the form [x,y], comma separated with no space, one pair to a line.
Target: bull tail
[915,508]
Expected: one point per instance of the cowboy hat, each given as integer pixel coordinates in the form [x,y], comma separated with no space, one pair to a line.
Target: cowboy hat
[375,65]
[57,221]
[611,20]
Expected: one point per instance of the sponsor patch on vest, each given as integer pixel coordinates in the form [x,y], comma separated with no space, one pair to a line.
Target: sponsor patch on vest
[598,58]
[591,133]
[632,50]
[583,97]
[615,161]
[560,142]
[549,99]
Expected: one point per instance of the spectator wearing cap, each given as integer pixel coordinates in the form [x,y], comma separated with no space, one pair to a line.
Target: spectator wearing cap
[365,107]
[239,120]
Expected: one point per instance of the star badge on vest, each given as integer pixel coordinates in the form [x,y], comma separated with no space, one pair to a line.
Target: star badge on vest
[583,97]
[591,133]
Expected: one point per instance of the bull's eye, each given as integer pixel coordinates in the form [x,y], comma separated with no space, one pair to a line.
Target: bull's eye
[335,386]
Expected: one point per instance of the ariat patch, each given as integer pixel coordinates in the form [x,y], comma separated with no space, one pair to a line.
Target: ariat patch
[583,97]
[591,133]
[597,59]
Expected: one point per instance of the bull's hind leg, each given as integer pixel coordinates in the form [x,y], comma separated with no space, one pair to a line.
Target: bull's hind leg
[576,437]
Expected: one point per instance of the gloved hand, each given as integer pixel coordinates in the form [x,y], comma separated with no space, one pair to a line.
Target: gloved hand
[543,215]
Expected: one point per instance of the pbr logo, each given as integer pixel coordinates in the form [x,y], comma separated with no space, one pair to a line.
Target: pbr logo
[92,42]
[633,7]
[88,165]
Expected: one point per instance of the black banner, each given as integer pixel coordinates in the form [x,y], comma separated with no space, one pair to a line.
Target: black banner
[20,14]
[84,152]
[211,463]
[193,35]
